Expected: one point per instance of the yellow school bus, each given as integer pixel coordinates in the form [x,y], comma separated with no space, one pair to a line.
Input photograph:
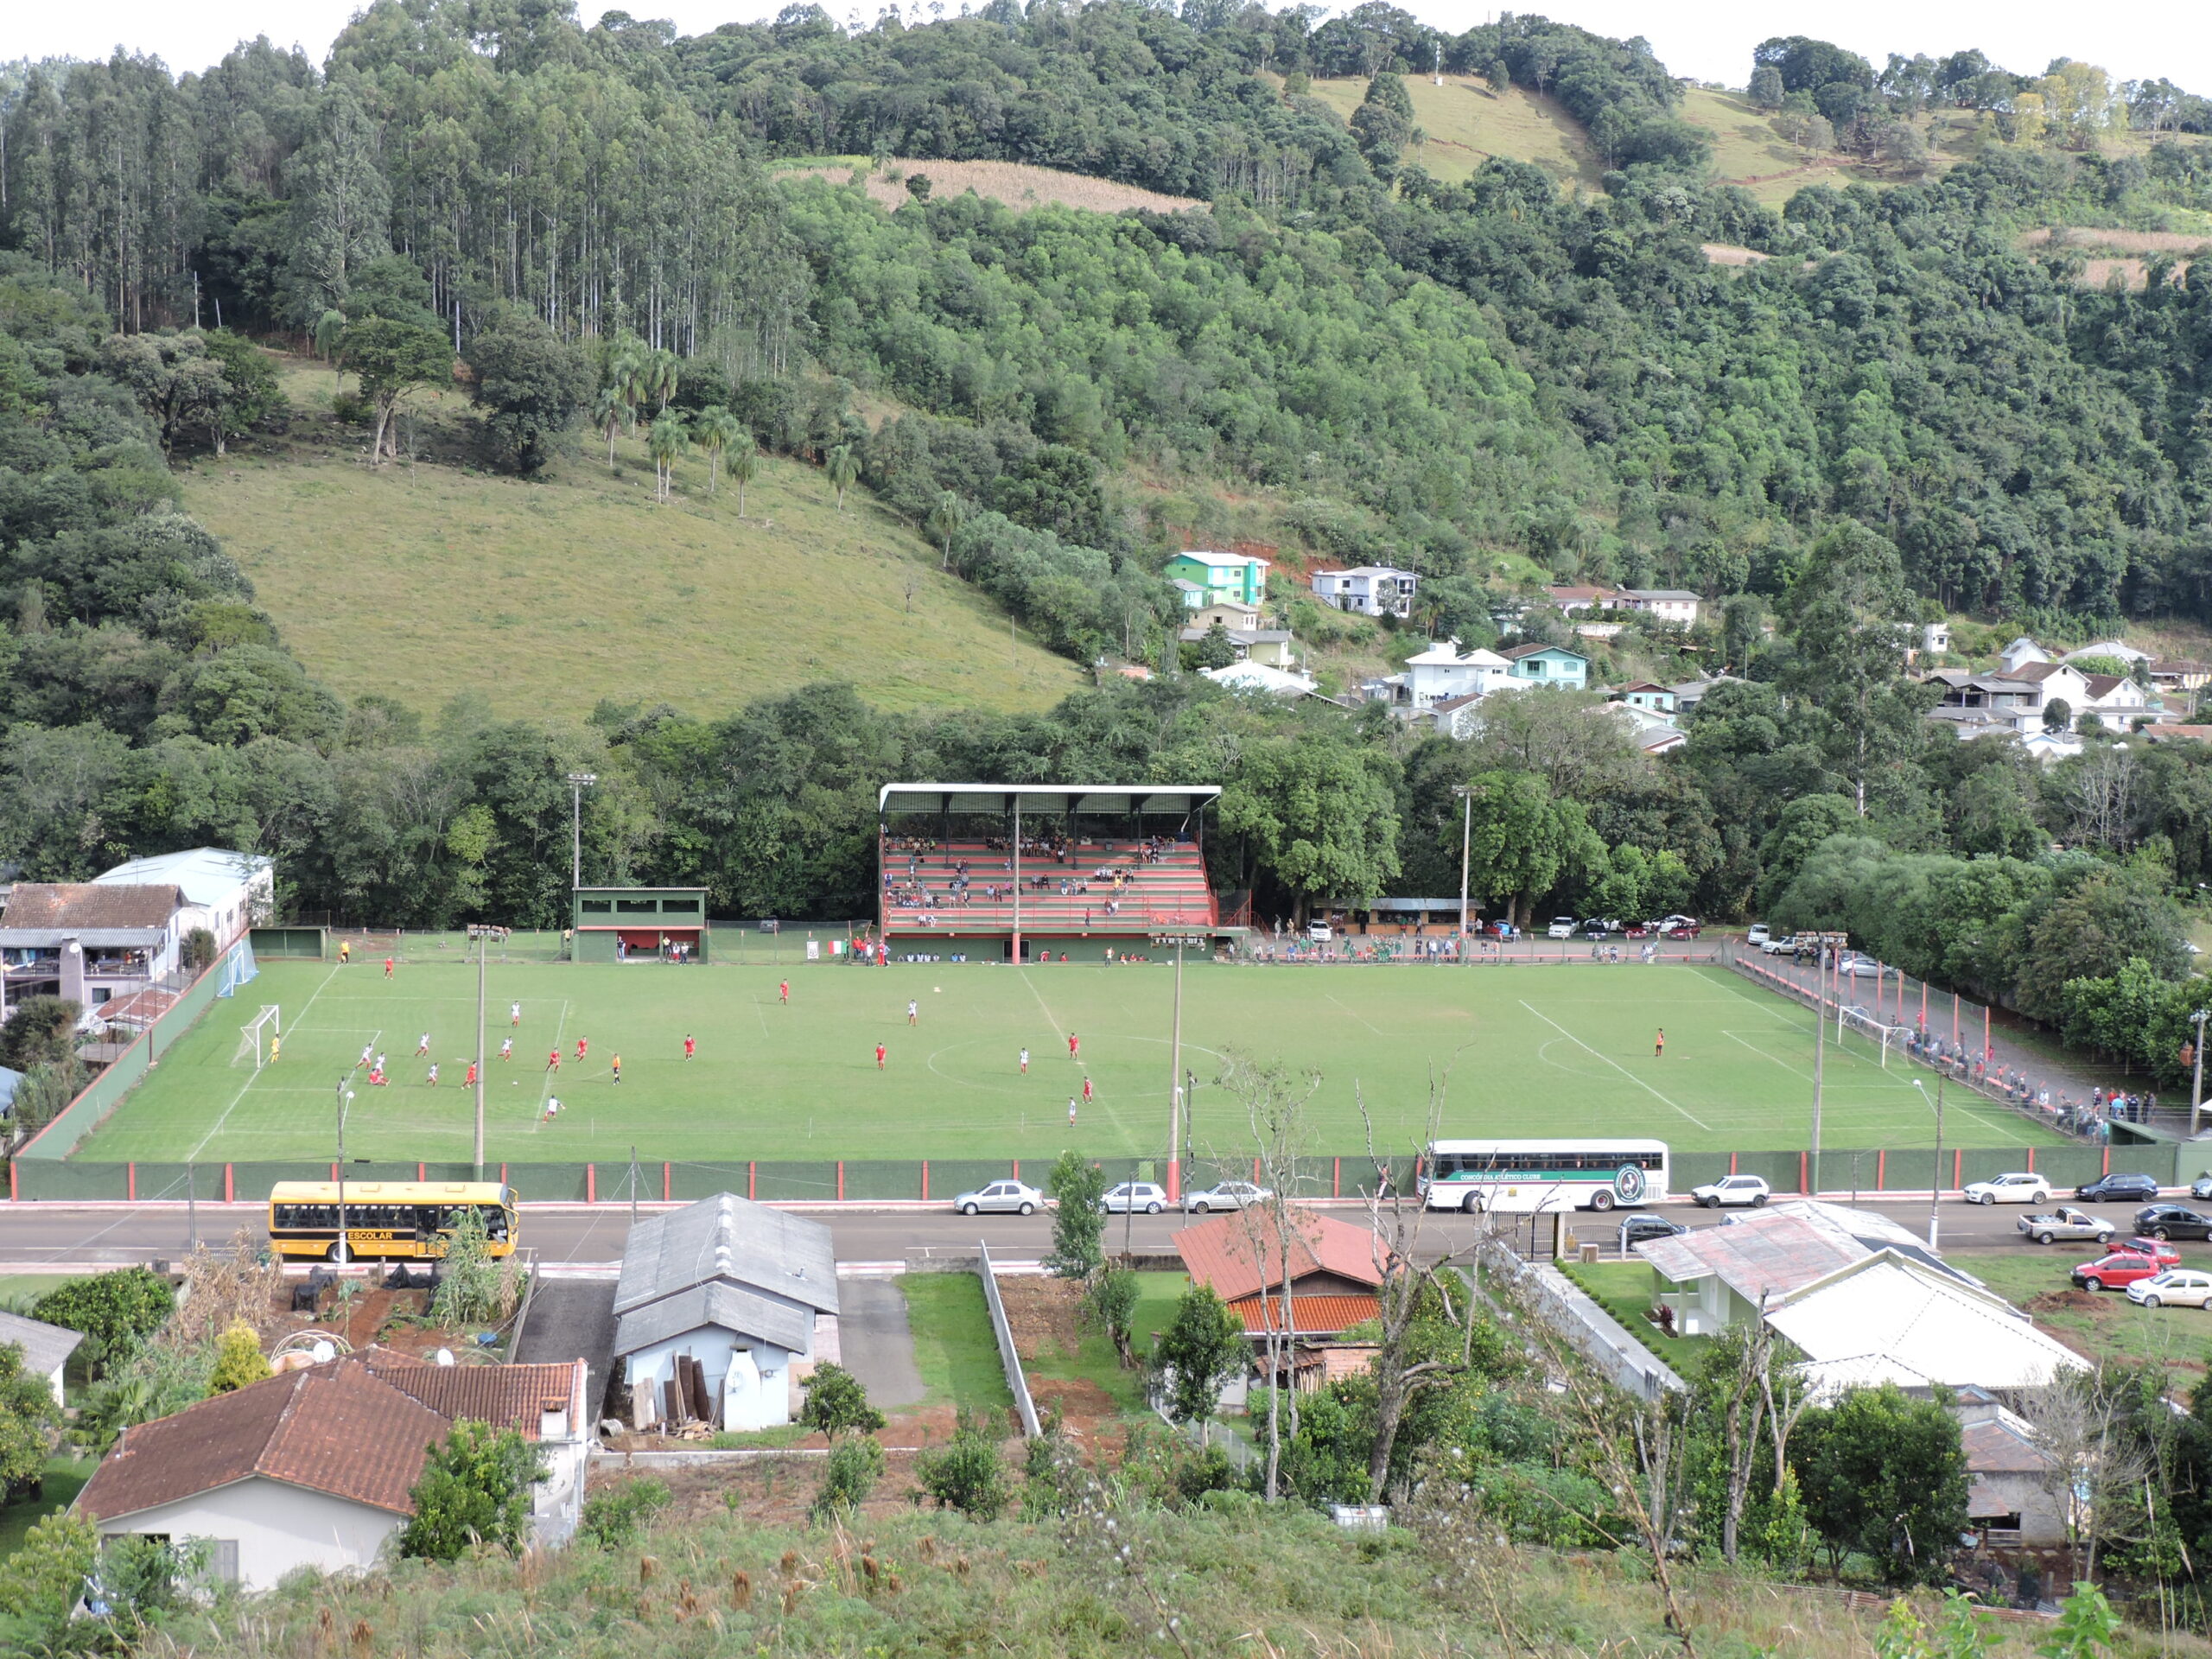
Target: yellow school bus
[385,1219]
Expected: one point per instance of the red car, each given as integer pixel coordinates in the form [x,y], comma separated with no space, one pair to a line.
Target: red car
[1637,931]
[2114,1272]
[2164,1254]
[1690,931]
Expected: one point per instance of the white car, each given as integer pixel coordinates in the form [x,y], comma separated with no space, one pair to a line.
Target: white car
[1733,1189]
[1562,927]
[1786,945]
[1001,1197]
[2019,1186]
[1320,933]
[1864,968]
[1229,1195]
[1757,934]
[2175,1287]
[1142,1198]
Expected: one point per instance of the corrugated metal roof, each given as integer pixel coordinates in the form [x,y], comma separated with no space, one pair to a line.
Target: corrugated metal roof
[208,874]
[1785,1248]
[1219,1253]
[44,1345]
[733,1240]
[744,1312]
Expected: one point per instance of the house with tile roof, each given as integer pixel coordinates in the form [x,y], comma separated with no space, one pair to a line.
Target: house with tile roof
[1334,1268]
[718,1311]
[91,942]
[2013,1499]
[316,1467]
[224,891]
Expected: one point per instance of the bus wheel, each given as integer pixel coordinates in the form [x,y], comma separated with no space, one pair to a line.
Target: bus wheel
[338,1253]
[1472,1204]
[1601,1201]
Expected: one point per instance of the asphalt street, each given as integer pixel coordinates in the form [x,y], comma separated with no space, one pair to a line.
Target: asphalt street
[54,1235]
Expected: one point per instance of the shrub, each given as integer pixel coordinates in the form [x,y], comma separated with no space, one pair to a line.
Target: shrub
[237,1359]
[474,1489]
[836,1401]
[613,1517]
[112,1309]
[474,1286]
[848,1475]
[969,1474]
[199,948]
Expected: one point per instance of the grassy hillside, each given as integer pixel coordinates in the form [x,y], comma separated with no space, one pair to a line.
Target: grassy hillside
[1466,123]
[1019,185]
[425,581]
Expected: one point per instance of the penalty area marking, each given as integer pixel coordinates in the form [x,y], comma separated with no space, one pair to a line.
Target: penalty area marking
[1617,1066]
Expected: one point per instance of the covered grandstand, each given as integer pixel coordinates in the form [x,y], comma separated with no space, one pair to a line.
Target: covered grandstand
[997,873]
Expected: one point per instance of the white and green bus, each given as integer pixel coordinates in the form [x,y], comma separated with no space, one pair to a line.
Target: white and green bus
[1540,1176]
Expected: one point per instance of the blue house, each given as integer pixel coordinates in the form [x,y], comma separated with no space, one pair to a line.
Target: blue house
[1549,665]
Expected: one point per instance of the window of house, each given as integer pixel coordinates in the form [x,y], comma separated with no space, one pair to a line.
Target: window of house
[222,1559]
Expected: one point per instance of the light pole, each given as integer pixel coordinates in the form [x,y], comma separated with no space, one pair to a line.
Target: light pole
[1935,1179]
[344,1240]
[2197,1072]
[1467,837]
[483,939]
[1174,1087]
[1819,1043]
[578,782]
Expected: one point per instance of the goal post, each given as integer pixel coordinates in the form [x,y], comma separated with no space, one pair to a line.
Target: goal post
[256,1038]
[1884,1037]
[238,969]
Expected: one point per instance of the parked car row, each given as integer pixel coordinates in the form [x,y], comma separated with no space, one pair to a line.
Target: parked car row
[1600,927]
[1012,1198]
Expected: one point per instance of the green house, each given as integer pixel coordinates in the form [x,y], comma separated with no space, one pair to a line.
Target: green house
[639,923]
[1221,575]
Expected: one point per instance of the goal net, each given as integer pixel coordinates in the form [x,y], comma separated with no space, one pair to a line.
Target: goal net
[1884,1036]
[258,1037]
[238,969]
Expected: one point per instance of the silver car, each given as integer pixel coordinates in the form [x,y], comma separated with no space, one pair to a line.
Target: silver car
[1001,1197]
[1229,1195]
[1140,1197]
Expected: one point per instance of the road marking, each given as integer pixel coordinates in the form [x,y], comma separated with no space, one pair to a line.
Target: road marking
[193,1155]
[1617,1066]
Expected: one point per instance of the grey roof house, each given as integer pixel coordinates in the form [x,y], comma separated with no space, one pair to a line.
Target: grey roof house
[46,1347]
[720,1312]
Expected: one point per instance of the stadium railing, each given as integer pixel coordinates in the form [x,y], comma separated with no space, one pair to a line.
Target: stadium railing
[619,1181]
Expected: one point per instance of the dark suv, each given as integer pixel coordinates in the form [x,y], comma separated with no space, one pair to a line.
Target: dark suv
[2172,1221]
[2117,1187]
[1638,1228]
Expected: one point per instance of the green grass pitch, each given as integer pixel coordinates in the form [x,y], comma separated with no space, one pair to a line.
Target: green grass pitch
[1530,1050]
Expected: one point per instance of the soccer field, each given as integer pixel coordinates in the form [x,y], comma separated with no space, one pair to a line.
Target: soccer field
[1530,1051]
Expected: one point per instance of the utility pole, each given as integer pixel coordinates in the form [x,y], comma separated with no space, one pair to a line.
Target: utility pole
[633,1183]
[1819,1043]
[2197,1072]
[1017,880]
[1935,1181]
[1466,839]
[578,782]
[345,1239]
[483,944]
[1174,1087]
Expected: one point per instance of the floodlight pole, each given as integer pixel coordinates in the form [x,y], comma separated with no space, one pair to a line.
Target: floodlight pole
[2197,1072]
[1467,838]
[1017,880]
[344,1240]
[1175,1087]
[578,782]
[483,940]
[1935,1179]
[1819,1043]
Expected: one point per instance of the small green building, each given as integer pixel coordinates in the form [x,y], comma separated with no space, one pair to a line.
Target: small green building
[639,923]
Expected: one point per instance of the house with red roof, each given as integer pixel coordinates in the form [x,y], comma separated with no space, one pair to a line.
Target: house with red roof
[1334,1268]
[316,1467]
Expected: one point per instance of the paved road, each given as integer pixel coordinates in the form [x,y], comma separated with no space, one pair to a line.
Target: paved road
[35,1234]
[875,1342]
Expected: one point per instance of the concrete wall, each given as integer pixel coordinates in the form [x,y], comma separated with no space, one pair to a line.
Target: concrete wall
[279,1529]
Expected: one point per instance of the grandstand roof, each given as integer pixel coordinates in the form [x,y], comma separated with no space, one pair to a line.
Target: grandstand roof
[1044,797]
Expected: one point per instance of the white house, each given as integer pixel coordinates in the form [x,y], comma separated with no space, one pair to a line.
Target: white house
[1231,613]
[1667,604]
[1370,589]
[225,892]
[2020,652]
[2118,701]
[1568,601]
[315,1467]
[717,1310]
[1444,671]
[46,1347]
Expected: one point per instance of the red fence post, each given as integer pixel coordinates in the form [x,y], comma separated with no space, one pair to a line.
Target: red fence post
[229,1190]
[591,1183]
[2032,1159]
[1336,1177]
[1731,1163]
[2107,1170]
[422,1171]
[333,1171]
[1958,1166]
[925,1181]
[1804,1173]
[502,1174]
[1881,1169]
[668,1182]
[12,1194]
[751,1170]
[131,1181]
[840,1180]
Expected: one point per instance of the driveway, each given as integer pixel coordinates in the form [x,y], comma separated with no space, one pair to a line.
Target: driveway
[879,1347]
[573,1319]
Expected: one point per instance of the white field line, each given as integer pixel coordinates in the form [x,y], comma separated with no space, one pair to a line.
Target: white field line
[1619,1067]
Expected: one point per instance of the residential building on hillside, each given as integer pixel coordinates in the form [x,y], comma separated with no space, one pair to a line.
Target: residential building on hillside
[2013,1499]
[2114,648]
[1657,699]
[1273,647]
[1446,671]
[1665,604]
[2118,701]
[1935,638]
[1259,679]
[316,1467]
[1223,575]
[2022,651]
[1549,665]
[1975,703]
[2178,675]
[1231,613]
[717,1310]
[89,942]
[1568,601]
[1334,1268]
[227,892]
[1369,590]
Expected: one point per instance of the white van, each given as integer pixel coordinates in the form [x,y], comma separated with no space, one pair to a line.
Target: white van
[1320,933]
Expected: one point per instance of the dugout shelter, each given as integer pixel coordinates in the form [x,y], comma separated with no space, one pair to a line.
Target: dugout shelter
[1004,872]
[639,923]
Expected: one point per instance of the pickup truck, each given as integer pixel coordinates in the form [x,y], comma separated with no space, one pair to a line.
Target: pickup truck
[2067,1222]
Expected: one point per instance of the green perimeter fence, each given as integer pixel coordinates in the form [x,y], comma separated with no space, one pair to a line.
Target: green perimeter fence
[939,1180]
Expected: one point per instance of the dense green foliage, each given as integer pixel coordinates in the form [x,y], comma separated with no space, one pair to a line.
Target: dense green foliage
[113,1310]
[474,1489]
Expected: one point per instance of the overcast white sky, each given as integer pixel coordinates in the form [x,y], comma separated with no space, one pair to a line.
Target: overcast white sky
[1711,40]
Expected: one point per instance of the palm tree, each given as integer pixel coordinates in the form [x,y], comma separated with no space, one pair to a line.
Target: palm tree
[844,467]
[744,462]
[660,377]
[714,430]
[607,410]
[943,523]
[667,441]
[627,373]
